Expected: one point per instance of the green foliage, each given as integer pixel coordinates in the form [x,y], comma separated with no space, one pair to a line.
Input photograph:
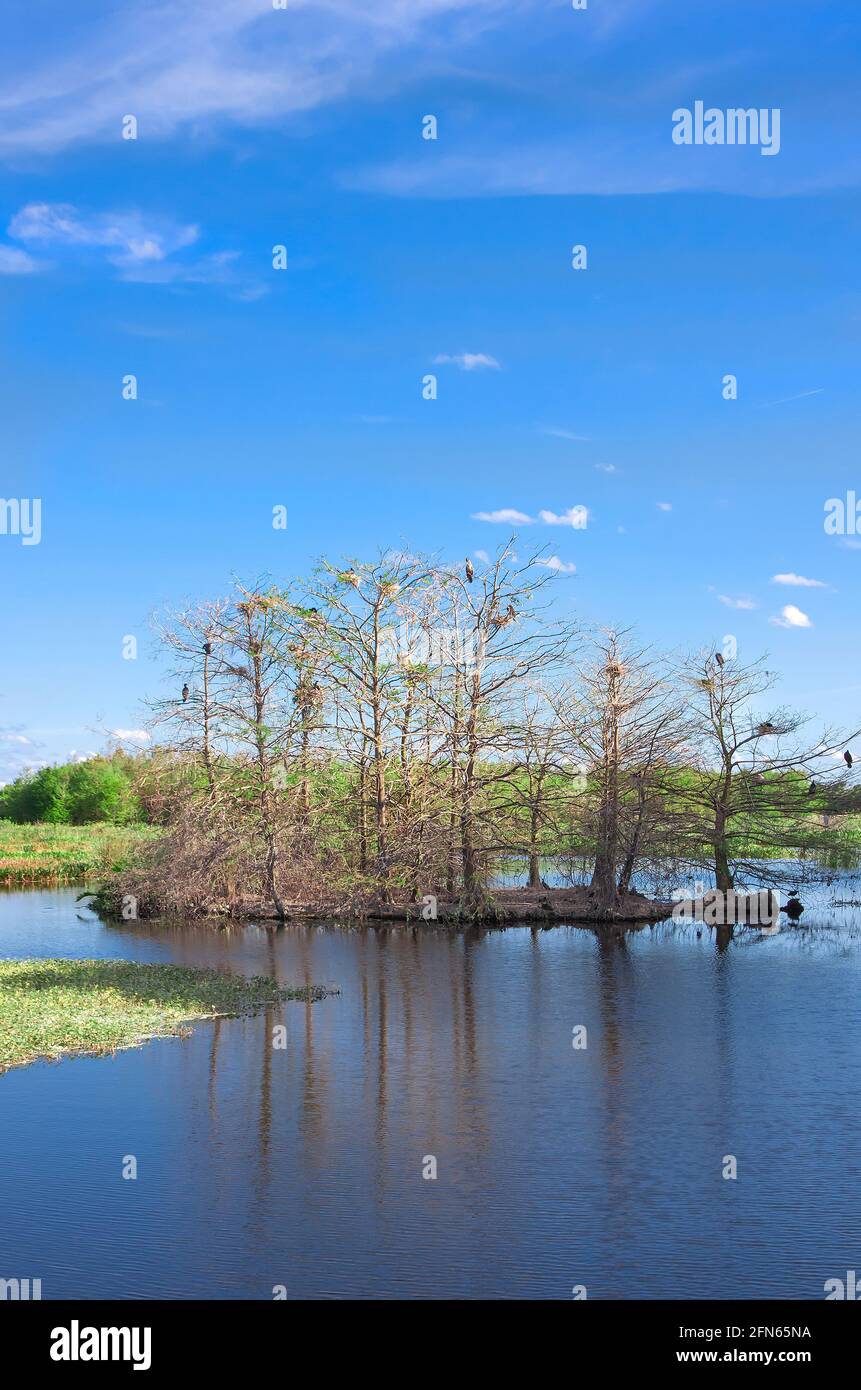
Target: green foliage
[52,1007]
[98,790]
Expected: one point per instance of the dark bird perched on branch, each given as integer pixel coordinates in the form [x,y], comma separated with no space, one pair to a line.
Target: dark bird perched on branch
[811,789]
[793,908]
[470,572]
[847,758]
[207,649]
[184,693]
[718,658]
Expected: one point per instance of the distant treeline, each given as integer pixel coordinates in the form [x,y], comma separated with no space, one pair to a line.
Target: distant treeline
[99,790]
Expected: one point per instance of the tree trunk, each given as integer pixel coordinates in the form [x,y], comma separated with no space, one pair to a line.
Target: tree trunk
[363,822]
[723,876]
[603,885]
[534,828]
[535,872]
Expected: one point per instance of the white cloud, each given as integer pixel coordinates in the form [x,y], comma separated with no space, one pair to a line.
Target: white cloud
[129,238]
[141,249]
[131,735]
[560,566]
[19,739]
[468,361]
[505,515]
[606,467]
[14,261]
[664,506]
[799,581]
[742,602]
[574,516]
[790,616]
[483,556]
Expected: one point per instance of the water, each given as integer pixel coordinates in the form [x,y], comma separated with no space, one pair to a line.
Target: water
[556,1167]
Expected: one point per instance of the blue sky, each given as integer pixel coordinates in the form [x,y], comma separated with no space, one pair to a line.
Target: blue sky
[599,388]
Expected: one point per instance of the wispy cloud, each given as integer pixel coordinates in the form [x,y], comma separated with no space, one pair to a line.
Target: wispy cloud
[664,506]
[14,261]
[790,616]
[618,164]
[468,361]
[742,602]
[128,238]
[131,735]
[784,400]
[205,62]
[555,433]
[574,516]
[799,581]
[17,753]
[559,566]
[144,249]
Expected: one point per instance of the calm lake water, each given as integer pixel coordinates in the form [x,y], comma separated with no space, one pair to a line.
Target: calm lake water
[556,1167]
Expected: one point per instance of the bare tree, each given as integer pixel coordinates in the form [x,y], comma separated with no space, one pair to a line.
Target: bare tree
[625,719]
[754,777]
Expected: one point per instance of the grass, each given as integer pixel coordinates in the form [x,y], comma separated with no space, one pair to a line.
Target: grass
[32,855]
[49,1008]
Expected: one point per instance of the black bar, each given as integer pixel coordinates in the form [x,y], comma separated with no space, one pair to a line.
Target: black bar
[189,1337]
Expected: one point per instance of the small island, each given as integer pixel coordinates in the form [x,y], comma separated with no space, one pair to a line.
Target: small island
[407,740]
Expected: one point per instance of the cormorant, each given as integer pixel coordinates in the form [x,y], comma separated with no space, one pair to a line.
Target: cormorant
[811,789]
[718,658]
[207,649]
[184,693]
[793,908]
[847,758]
[470,572]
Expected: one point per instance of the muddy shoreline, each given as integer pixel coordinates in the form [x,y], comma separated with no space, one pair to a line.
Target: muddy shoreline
[547,906]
